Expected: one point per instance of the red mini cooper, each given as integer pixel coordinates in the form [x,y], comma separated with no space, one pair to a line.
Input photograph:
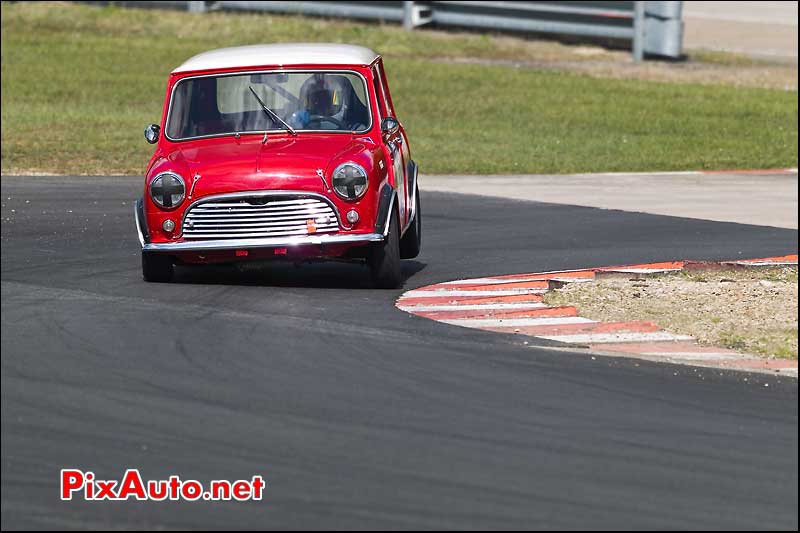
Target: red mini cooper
[289,151]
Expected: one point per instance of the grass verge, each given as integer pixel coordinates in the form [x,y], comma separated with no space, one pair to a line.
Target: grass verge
[79,83]
[748,310]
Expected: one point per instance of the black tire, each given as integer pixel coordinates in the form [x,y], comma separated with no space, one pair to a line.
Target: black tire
[411,243]
[384,259]
[157,268]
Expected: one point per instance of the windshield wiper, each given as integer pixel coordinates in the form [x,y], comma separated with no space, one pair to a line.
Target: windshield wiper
[271,114]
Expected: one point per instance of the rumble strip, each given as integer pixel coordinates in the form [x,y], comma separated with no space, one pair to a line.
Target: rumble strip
[513,304]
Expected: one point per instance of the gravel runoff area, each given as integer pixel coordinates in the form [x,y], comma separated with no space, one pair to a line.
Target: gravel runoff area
[751,310]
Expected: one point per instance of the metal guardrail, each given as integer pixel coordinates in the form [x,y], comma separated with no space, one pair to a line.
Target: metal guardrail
[652,28]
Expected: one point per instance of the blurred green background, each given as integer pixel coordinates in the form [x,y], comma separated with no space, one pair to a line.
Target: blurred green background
[79,83]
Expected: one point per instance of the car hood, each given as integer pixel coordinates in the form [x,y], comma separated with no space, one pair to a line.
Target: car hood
[291,163]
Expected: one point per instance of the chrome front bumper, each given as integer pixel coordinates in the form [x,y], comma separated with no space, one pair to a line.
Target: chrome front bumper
[274,242]
[238,244]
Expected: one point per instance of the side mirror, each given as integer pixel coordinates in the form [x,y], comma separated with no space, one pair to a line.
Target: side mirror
[389,126]
[151,133]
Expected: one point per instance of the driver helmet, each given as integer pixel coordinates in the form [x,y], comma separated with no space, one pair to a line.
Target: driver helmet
[325,95]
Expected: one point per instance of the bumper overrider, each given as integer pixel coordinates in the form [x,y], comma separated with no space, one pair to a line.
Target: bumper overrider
[378,235]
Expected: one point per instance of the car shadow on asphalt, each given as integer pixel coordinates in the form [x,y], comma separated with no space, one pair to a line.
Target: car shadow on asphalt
[319,275]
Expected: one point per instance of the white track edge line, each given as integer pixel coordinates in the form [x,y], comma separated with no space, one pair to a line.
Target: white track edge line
[472,307]
[611,338]
[517,322]
[446,293]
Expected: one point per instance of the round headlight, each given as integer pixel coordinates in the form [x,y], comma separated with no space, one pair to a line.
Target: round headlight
[350,181]
[167,190]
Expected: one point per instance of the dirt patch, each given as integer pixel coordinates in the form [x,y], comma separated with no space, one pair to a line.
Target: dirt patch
[750,310]
[703,71]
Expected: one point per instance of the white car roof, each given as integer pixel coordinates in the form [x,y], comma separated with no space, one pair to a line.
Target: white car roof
[280,55]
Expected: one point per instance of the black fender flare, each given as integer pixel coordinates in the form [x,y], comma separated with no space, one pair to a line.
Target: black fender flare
[412,171]
[386,200]
[141,222]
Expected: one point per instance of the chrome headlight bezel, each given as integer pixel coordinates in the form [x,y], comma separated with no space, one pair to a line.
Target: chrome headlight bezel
[357,194]
[159,202]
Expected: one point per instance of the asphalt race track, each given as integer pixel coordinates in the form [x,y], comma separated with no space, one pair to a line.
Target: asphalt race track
[357,414]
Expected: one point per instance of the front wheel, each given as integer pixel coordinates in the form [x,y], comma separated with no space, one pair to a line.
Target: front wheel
[157,267]
[384,258]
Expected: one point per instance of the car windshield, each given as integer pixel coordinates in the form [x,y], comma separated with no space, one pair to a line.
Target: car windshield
[307,101]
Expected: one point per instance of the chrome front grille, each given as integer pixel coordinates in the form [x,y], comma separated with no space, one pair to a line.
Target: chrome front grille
[257,216]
